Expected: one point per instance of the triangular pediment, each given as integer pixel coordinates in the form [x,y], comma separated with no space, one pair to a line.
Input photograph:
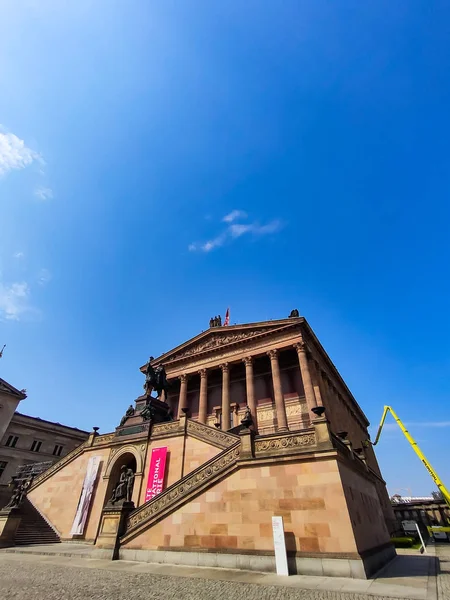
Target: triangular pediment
[217,338]
[7,388]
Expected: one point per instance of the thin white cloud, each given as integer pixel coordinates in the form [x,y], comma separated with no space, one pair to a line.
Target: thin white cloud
[14,154]
[14,300]
[18,255]
[44,276]
[237,230]
[43,193]
[233,215]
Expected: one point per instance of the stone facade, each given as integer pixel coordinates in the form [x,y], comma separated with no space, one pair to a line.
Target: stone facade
[304,458]
[25,440]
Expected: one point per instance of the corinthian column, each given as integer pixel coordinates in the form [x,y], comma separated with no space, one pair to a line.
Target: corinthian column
[251,402]
[277,389]
[182,402]
[203,402]
[306,375]
[225,397]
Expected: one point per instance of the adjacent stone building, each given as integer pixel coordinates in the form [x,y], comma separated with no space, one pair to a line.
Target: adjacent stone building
[25,440]
[256,422]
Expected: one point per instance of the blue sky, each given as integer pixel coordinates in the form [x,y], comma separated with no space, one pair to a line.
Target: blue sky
[130,130]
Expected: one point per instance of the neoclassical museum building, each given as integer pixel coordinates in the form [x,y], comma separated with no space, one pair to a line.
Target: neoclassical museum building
[251,422]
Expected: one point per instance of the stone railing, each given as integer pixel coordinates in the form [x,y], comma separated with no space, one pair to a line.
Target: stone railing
[59,465]
[284,443]
[180,492]
[211,435]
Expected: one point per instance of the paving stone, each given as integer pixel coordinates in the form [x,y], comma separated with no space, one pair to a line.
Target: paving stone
[28,577]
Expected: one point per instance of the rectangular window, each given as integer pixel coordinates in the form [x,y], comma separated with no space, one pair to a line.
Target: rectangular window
[2,467]
[36,446]
[57,450]
[12,441]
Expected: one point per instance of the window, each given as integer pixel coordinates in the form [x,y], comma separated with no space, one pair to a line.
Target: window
[2,467]
[57,450]
[12,441]
[35,446]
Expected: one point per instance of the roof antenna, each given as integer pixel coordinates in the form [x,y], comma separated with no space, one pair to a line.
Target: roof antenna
[1,351]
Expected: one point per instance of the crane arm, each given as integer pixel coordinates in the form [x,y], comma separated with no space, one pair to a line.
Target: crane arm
[441,487]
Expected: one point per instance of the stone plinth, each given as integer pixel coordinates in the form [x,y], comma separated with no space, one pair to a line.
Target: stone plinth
[9,523]
[112,526]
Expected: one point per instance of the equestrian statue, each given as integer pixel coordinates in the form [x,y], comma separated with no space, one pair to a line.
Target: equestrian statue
[156,379]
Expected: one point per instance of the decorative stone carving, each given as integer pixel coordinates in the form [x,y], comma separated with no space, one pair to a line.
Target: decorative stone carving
[301,346]
[218,340]
[298,440]
[104,439]
[175,494]
[272,354]
[162,429]
[225,367]
[220,439]
[248,361]
[203,373]
[183,378]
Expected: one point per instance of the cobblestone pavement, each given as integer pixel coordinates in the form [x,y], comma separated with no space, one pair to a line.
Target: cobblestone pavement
[443,580]
[24,578]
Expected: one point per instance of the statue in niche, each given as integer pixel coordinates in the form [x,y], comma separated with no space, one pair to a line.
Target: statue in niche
[123,490]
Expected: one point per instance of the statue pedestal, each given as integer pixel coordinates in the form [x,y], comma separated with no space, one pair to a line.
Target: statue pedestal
[112,526]
[9,523]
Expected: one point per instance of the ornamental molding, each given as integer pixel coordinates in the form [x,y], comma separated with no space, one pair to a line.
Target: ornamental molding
[216,437]
[228,354]
[179,492]
[104,439]
[162,429]
[285,442]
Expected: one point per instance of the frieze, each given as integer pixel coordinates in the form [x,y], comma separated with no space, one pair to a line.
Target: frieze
[104,439]
[285,442]
[59,465]
[176,493]
[219,340]
[229,353]
[163,428]
[218,438]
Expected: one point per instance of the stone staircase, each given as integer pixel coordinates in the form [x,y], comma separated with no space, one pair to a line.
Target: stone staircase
[33,528]
[183,490]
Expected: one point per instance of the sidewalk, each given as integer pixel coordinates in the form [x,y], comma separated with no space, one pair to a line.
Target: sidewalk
[411,576]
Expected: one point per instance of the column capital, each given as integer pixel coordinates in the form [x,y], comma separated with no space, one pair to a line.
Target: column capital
[301,346]
[183,378]
[248,360]
[203,373]
[225,367]
[272,354]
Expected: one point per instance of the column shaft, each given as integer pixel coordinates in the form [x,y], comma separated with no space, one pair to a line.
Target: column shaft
[306,376]
[203,401]
[182,402]
[251,402]
[226,424]
[278,392]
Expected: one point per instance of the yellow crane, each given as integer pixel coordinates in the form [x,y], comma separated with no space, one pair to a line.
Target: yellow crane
[441,487]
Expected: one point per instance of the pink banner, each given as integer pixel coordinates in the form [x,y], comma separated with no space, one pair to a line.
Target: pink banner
[155,482]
